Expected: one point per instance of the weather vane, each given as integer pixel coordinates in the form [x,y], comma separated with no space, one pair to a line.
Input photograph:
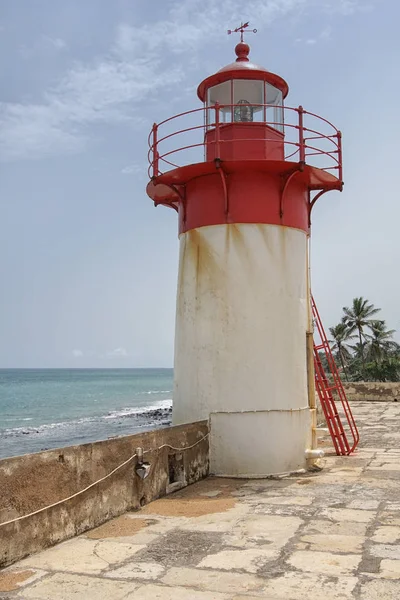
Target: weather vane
[242,29]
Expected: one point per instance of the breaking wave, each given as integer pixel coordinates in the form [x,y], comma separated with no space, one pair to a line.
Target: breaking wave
[159,411]
[161,405]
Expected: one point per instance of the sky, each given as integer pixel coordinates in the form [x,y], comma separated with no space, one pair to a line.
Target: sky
[88,266]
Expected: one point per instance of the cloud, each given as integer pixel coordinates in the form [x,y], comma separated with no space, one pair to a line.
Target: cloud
[134,169]
[324,35]
[45,43]
[118,353]
[137,67]
[56,43]
[191,24]
[104,91]
[77,353]
[349,7]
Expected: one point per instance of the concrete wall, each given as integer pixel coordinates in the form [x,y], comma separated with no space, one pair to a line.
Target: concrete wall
[373,391]
[240,343]
[32,481]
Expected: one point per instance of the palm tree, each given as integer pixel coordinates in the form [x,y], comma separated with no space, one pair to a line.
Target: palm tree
[380,343]
[341,334]
[358,350]
[358,316]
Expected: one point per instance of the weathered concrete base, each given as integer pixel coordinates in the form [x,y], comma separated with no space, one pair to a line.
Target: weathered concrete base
[266,451]
[333,535]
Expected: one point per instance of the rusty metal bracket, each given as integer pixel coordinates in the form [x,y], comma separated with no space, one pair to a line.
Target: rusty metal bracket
[222,173]
[312,202]
[182,198]
[287,179]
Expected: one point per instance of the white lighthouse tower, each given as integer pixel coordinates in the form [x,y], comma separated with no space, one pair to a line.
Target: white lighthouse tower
[243,324]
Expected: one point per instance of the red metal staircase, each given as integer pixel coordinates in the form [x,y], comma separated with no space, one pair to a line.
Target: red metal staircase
[336,408]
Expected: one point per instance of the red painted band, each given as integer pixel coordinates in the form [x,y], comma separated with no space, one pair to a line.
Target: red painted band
[245,197]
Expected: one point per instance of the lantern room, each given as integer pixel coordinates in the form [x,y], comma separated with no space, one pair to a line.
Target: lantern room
[247,101]
[244,125]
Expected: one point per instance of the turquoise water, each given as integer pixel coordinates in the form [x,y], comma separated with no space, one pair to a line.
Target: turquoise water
[49,408]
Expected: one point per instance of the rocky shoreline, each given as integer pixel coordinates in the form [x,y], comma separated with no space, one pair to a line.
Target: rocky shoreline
[24,440]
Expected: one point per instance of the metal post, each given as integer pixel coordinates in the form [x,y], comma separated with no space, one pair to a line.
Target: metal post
[139,452]
[340,158]
[155,151]
[217,132]
[300,110]
[310,334]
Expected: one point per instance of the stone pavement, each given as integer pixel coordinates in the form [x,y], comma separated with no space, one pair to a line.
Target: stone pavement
[332,535]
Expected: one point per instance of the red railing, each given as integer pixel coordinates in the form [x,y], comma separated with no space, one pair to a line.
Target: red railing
[307,138]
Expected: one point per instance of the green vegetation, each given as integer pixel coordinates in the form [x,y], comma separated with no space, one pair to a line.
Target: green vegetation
[363,347]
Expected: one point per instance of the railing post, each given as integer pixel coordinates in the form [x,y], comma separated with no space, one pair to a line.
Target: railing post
[217,132]
[340,158]
[300,110]
[155,151]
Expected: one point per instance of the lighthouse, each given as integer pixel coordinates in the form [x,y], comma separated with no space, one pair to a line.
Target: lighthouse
[243,172]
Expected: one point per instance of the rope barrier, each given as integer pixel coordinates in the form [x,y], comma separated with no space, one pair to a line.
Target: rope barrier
[128,460]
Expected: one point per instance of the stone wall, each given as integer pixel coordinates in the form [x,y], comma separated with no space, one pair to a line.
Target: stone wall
[373,391]
[33,481]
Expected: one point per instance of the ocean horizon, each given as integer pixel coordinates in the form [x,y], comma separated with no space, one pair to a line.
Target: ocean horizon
[49,408]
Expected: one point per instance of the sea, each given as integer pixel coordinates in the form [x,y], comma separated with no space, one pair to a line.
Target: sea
[52,408]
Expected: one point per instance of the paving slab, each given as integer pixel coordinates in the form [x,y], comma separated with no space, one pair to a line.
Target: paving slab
[282,500]
[137,570]
[249,560]
[158,592]
[325,562]
[81,555]
[321,526]
[388,517]
[306,586]
[390,569]
[247,597]
[61,586]
[332,543]
[362,504]
[380,590]
[264,529]
[387,534]
[348,514]
[386,551]
[215,580]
